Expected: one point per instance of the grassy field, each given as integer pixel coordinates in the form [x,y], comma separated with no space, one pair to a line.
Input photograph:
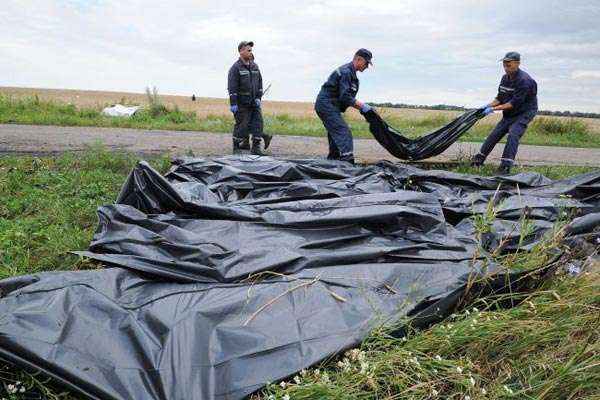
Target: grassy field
[281,118]
[546,348]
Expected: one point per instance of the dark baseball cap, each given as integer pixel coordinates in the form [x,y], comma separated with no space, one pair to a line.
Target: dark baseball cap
[366,54]
[512,56]
[244,43]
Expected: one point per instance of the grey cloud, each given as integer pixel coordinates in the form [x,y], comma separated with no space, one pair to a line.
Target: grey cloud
[425,51]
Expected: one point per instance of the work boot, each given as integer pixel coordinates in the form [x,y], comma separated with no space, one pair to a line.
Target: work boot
[477,160]
[267,139]
[256,150]
[503,169]
[348,158]
[245,145]
[237,145]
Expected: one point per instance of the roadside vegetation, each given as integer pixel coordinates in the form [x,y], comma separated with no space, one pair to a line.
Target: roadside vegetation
[567,132]
[547,347]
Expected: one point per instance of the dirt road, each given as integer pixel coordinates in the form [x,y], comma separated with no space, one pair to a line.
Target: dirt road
[29,139]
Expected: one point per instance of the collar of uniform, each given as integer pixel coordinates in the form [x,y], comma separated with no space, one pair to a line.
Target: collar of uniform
[351,66]
[517,75]
[241,62]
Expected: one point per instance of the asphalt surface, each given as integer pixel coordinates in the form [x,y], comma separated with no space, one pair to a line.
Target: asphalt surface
[44,140]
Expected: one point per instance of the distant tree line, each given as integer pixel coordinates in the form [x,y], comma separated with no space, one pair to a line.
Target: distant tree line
[447,107]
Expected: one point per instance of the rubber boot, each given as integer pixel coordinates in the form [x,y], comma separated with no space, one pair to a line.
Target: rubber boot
[348,158]
[237,146]
[245,144]
[256,150]
[477,160]
[504,169]
[267,139]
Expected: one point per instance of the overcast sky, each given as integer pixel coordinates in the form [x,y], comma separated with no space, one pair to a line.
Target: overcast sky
[425,52]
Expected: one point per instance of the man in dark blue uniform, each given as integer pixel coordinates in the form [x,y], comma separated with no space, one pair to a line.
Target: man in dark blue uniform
[244,84]
[517,99]
[336,95]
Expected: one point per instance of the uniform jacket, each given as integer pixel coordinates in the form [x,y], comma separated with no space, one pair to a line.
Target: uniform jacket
[244,84]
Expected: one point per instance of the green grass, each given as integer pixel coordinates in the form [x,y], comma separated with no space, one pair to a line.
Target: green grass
[543,131]
[547,348]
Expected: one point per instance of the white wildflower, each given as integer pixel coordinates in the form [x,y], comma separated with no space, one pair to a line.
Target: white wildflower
[283,384]
[354,354]
[364,367]
[508,390]
[459,370]
[271,397]
[435,371]
[453,316]
[434,393]
[297,379]
[474,321]
[11,389]
[472,381]
[325,377]
[475,310]
[483,391]
[404,339]
[22,390]
[286,397]
[438,358]
[467,312]
[303,372]
[345,365]
[317,372]
[415,360]
[467,397]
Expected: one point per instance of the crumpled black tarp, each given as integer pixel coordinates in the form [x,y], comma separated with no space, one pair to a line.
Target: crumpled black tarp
[229,273]
[426,146]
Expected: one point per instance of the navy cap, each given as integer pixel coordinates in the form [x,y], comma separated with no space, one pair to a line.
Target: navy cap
[366,54]
[512,56]
[244,43]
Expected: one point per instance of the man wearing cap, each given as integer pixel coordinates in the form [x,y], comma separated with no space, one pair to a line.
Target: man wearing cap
[336,95]
[244,84]
[517,99]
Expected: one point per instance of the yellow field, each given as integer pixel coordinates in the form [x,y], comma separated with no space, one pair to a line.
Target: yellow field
[214,106]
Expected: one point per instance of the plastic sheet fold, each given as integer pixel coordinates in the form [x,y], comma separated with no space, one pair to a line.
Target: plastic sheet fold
[225,274]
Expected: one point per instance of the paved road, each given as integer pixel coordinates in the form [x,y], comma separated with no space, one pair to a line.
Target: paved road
[30,139]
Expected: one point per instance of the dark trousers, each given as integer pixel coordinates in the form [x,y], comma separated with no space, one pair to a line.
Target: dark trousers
[248,121]
[515,127]
[339,135]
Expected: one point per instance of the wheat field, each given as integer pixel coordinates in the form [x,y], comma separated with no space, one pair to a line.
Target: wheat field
[205,106]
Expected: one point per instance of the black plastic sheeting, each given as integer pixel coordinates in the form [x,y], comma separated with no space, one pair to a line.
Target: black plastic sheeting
[426,146]
[229,273]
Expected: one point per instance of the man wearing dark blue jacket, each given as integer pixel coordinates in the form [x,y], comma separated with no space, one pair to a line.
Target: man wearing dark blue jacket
[517,99]
[245,87]
[336,95]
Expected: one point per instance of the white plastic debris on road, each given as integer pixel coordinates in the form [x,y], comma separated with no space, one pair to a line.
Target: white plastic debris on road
[119,110]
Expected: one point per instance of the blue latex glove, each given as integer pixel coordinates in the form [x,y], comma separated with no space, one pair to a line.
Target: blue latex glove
[365,108]
[488,110]
[257,102]
[234,109]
